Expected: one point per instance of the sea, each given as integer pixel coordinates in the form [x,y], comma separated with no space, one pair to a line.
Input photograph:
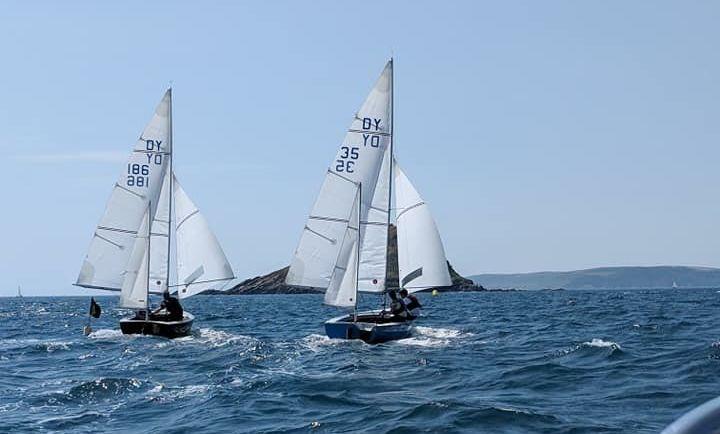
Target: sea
[616,361]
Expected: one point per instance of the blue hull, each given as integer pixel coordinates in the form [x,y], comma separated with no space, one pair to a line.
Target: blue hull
[367,328]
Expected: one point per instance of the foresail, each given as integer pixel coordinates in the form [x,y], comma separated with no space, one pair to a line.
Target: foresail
[201,262]
[134,291]
[160,239]
[140,182]
[342,290]
[359,161]
[421,257]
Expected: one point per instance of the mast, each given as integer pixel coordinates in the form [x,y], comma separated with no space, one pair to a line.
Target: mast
[357,250]
[170,191]
[149,232]
[390,172]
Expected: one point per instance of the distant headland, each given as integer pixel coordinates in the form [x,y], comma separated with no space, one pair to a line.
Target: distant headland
[607,278]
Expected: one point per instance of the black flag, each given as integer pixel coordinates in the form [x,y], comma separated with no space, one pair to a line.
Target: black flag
[95,310]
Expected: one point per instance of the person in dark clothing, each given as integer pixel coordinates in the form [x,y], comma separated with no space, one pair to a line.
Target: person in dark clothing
[412,304]
[173,309]
[398,311]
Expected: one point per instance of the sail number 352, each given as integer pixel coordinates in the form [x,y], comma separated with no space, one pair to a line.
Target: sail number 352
[346,162]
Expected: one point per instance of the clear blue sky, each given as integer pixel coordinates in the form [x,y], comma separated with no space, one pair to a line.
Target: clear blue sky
[544,135]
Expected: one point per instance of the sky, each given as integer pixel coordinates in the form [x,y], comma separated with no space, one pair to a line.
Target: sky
[551,135]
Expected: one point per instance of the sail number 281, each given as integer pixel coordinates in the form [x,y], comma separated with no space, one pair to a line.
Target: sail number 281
[346,162]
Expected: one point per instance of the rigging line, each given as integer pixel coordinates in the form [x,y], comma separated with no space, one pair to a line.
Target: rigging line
[141,196]
[119,246]
[406,209]
[180,223]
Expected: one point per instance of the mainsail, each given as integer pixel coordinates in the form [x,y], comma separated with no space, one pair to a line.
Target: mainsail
[201,262]
[363,159]
[421,257]
[131,249]
[139,184]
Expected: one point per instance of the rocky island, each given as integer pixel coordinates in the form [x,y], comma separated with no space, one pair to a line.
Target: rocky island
[274,283]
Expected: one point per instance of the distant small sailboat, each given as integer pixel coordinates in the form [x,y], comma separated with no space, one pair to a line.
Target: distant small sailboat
[131,249]
[343,247]
[674,285]
[19,293]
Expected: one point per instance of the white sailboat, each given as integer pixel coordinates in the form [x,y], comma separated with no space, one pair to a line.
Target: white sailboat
[343,247]
[132,248]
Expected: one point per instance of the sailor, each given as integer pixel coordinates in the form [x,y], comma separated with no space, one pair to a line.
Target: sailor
[397,307]
[412,304]
[173,309]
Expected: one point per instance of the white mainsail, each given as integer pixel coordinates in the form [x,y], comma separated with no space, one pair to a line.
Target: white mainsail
[130,250]
[363,159]
[201,262]
[140,182]
[342,291]
[421,257]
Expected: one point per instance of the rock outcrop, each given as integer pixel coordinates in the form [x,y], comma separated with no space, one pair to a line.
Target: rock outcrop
[274,283]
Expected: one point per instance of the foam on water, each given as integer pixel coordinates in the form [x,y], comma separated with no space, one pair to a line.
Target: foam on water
[265,365]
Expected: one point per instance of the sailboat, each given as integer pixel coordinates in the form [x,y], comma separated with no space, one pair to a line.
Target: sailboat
[343,246]
[147,215]
[19,293]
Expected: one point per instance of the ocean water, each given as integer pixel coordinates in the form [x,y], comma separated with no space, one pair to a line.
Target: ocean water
[516,362]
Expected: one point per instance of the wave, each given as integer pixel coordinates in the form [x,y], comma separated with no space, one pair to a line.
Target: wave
[162,393]
[610,347]
[433,337]
[106,334]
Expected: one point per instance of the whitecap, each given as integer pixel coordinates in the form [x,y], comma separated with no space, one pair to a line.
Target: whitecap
[599,343]
[433,337]
[106,334]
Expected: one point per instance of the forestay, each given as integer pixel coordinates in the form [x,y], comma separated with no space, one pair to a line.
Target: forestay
[421,257]
[342,291]
[363,159]
[201,262]
[113,242]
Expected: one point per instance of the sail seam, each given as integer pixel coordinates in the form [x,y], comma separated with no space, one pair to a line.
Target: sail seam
[119,246]
[408,209]
[375,133]
[180,223]
[333,241]
[374,223]
[328,219]
[129,191]
[341,177]
[124,231]
[152,152]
